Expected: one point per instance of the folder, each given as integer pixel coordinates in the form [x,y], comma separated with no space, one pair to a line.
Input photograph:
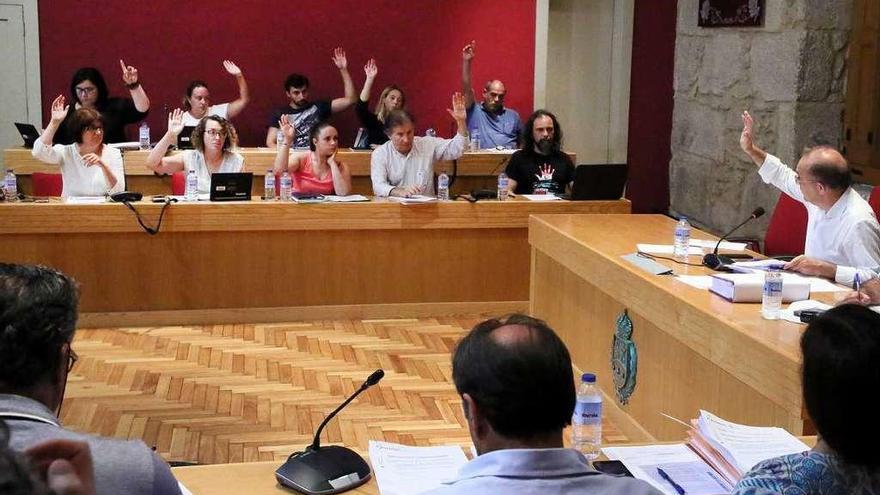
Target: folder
[749,287]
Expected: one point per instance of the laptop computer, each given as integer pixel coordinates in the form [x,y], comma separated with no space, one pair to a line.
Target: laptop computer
[231,186]
[29,134]
[598,182]
[184,139]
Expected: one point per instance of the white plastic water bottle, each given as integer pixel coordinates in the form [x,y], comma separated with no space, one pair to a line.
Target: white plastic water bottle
[279,139]
[144,135]
[475,140]
[682,239]
[431,132]
[443,187]
[192,186]
[503,184]
[586,422]
[10,187]
[771,301]
[286,186]
[421,182]
[269,185]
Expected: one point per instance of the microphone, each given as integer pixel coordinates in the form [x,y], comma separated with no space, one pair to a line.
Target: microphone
[325,470]
[716,262]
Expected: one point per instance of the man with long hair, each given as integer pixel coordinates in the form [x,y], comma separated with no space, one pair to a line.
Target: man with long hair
[540,166]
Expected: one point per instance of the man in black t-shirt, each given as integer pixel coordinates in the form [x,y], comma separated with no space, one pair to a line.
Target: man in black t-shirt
[540,167]
[304,114]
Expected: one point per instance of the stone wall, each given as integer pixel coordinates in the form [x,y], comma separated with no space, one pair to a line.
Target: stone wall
[789,74]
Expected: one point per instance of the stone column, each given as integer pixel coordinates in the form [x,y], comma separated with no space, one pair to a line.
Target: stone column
[789,74]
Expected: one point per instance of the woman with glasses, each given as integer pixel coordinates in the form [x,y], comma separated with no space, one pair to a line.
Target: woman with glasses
[88,166]
[316,171]
[197,101]
[88,90]
[391,98]
[213,139]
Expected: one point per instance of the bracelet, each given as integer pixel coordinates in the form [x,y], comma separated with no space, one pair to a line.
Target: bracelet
[133,86]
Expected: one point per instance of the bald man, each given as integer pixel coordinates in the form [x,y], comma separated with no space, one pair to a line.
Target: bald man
[843,237]
[497,126]
[516,384]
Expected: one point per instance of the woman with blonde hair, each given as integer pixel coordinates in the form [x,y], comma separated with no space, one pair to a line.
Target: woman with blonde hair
[391,98]
[214,142]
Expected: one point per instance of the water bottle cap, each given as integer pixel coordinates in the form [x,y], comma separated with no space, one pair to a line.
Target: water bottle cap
[588,378]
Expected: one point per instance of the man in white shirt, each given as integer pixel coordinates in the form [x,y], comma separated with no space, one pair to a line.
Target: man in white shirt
[843,236]
[404,166]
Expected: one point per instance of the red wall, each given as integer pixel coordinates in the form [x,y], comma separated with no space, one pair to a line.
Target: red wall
[416,44]
[650,105]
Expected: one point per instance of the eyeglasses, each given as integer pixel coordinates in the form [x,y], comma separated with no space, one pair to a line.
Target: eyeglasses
[96,129]
[72,358]
[215,133]
[87,90]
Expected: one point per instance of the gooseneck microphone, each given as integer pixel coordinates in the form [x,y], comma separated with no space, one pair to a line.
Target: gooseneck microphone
[716,262]
[325,470]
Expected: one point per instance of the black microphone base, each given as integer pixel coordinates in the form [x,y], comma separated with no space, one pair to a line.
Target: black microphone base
[324,470]
[717,262]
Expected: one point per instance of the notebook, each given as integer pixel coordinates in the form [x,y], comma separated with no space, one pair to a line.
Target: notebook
[29,134]
[598,182]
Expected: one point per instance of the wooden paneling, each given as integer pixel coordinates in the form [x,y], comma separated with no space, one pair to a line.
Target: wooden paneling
[862,114]
[696,350]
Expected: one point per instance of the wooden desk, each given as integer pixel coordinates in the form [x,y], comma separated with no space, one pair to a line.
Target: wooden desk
[695,350]
[475,170]
[254,261]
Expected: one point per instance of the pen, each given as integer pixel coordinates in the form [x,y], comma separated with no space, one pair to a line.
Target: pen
[857,285]
[675,485]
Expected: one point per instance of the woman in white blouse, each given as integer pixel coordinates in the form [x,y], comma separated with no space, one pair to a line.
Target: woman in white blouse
[88,166]
[197,101]
[213,140]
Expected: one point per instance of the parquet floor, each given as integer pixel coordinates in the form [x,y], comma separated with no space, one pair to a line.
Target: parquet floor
[250,392]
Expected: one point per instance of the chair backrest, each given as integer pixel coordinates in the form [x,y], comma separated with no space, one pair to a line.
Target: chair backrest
[874,201]
[787,232]
[178,183]
[46,184]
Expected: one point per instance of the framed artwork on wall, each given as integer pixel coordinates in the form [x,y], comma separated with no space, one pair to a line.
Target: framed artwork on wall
[731,13]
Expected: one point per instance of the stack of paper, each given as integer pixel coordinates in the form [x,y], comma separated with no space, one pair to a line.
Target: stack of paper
[733,449]
[415,199]
[678,462]
[404,470]
[749,287]
[756,266]
[351,198]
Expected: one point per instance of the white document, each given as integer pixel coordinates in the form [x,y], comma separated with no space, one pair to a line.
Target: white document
[405,470]
[745,446]
[787,314]
[681,463]
[818,284]
[756,266]
[415,199]
[351,198]
[698,281]
[200,197]
[667,249]
[726,245]
[85,200]
[541,197]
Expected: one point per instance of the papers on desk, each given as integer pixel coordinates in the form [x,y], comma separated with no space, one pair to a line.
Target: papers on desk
[725,245]
[666,249]
[541,197]
[412,200]
[756,266]
[816,284]
[678,461]
[351,198]
[200,197]
[787,314]
[405,470]
[749,287]
[85,200]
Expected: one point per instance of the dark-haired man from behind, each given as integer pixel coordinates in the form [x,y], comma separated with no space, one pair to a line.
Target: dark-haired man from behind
[843,236]
[517,387]
[38,313]
[540,167]
[305,114]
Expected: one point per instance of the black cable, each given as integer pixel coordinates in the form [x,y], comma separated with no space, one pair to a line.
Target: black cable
[655,257]
[140,221]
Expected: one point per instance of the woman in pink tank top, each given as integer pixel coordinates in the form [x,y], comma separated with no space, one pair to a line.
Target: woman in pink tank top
[316,171]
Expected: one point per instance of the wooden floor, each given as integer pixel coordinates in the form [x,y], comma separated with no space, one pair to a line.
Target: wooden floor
[239,393]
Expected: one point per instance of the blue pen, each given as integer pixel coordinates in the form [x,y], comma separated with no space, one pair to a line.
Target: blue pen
[675,485]
[857,284]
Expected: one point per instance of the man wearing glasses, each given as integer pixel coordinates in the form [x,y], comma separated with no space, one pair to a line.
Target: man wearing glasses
[491,123]
[38,313]
[843,237]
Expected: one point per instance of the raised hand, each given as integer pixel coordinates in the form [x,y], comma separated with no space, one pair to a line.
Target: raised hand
[287,127]
[371,69]
[175,122]
[745,139]
[339,58]
[467,53]
[231,68]
[545,172]
[92,159]
[129,73]
[458,111]
[59,109]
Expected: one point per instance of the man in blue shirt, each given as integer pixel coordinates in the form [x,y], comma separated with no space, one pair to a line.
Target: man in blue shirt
[517,387]
[494,125]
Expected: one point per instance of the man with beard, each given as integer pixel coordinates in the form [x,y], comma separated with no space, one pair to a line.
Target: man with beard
[540,167]
[495,125]
[305,114]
